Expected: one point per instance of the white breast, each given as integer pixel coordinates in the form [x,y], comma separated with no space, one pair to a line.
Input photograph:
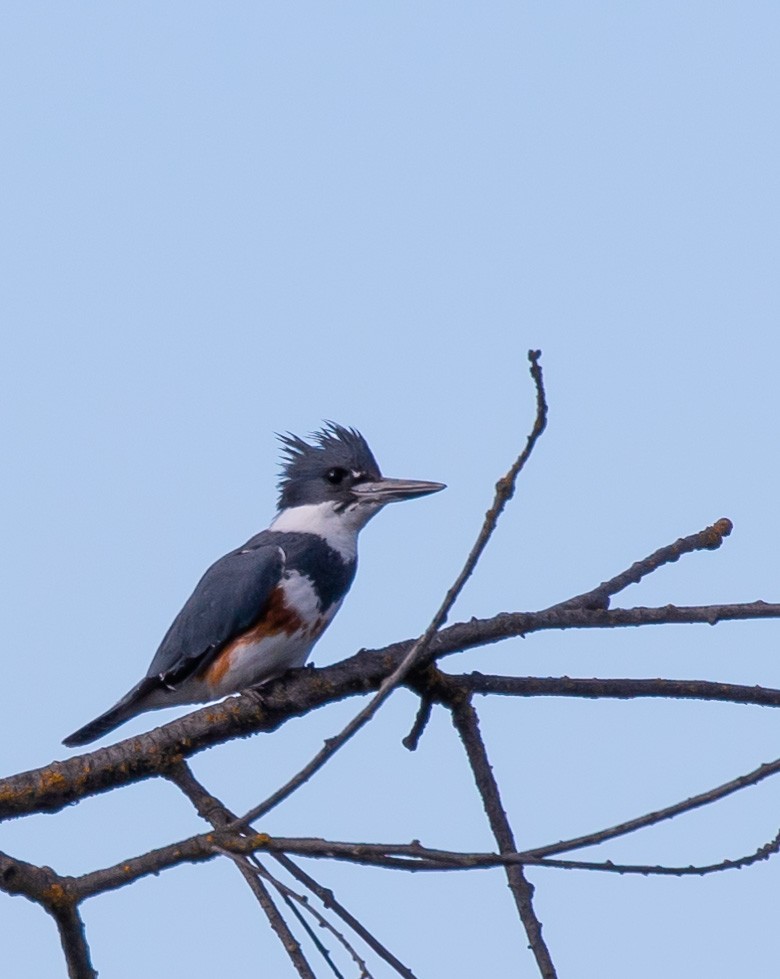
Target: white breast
[338,528]
[300,596]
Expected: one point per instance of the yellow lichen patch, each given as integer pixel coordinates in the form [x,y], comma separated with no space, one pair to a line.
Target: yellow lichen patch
[53,781]
[713,536]
[55,894]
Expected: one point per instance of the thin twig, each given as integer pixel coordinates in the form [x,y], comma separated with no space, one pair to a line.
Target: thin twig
[505,488]
[279,925]
[329,901]
[199,848]
[708,539]
[323,950]
[421,858]
[762,853]
[213,811]
[292,896]
[218,814]
[669,812]
[408,857]
[412,739]
[619,688]
[252,866]
[464,717]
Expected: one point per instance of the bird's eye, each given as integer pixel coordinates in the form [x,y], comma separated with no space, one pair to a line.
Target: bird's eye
[336,475]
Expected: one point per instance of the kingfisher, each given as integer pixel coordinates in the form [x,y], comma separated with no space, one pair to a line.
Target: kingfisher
[258,611]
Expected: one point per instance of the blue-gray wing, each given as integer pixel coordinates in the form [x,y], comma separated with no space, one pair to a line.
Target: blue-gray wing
[229,599]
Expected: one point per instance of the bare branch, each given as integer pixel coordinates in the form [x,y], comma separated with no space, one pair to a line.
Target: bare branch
[38,884]
[329,901]
[74,942]
[278,924]
[421,858]
[213,811]
[764,852]
[708,539]
[408,857]
[55,894]
[464,717]
[320,946]
[651,818]
[619,688]
[61,783]
[292,896]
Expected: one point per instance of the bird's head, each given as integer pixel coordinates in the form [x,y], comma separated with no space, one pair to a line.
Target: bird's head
[339,468]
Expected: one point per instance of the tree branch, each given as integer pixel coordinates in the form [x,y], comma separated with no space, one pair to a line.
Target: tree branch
[282,931]
[464,717]
[764,852]
[329,901]
[57,896]
[212,810]
[621,689]
[708,539]
[74,942]
[45,887]
[669,812]
[61,783]
[215,812]
[292,898]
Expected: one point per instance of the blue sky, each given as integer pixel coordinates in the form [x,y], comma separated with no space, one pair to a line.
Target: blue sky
[222,221]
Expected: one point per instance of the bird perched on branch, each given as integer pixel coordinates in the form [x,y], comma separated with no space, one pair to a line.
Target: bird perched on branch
[259,610]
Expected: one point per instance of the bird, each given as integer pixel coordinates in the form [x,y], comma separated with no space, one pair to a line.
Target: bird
[258,611]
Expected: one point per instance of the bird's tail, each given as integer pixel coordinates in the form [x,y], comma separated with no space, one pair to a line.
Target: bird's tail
[131,704]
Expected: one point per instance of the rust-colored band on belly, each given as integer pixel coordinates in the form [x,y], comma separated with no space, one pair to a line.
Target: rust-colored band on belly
[276,618]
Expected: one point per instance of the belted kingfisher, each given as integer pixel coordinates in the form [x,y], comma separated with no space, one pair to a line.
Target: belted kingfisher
[259,610]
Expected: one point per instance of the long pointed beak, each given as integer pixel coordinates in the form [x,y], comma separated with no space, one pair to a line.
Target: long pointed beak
[386,490]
